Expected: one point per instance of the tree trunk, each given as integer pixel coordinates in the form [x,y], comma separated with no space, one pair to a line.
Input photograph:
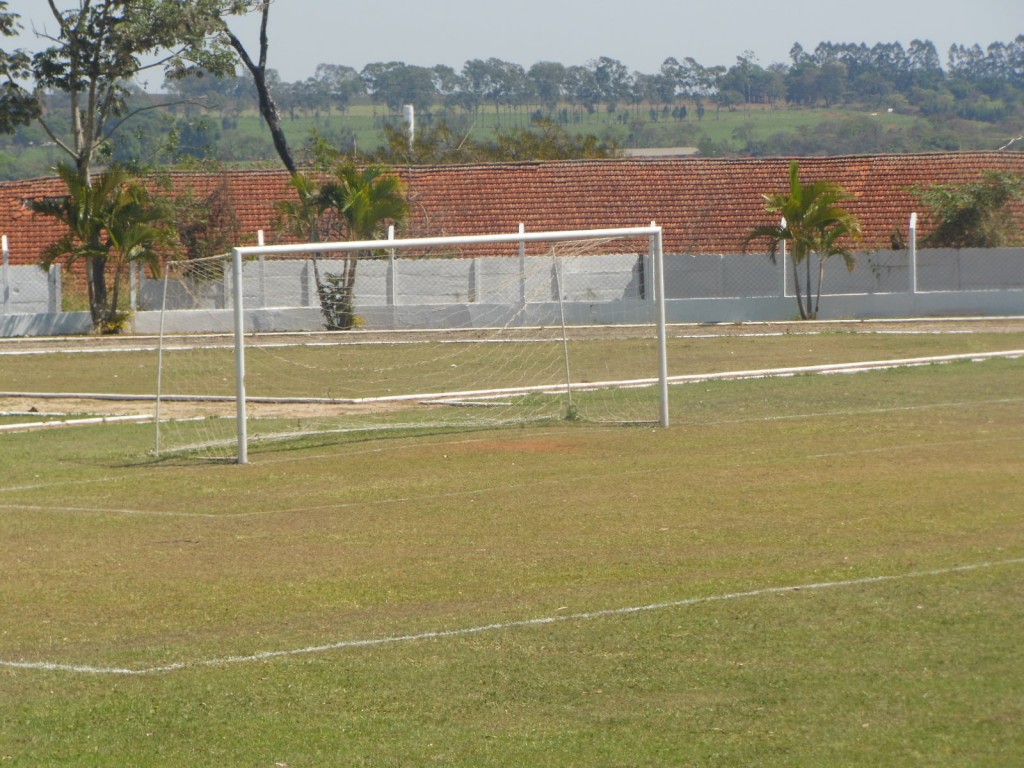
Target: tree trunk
[268,108]
[799,292]
[821,279]
[97,276]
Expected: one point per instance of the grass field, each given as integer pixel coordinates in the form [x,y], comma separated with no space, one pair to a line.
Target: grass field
[248,140]
[801,571]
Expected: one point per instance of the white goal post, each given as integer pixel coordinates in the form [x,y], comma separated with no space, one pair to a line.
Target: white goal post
[439,332]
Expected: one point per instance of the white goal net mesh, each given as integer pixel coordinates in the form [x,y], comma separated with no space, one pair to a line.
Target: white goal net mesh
[454,337]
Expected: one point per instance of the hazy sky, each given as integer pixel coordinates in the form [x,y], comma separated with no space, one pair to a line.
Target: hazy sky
[640,33]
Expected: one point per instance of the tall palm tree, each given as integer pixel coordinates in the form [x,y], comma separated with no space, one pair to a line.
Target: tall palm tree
[109,221]
[354,204]
[138,230]
[814,222]
[365,200]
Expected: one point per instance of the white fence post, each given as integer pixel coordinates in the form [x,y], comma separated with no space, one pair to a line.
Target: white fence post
[785,290]
[391,290]
[522,276]
[54,293]
[133,284]
[262,277]
[6,277]
[913,253]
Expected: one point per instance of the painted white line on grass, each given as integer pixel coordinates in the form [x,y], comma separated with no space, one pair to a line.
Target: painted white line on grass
[125,512]
[831,368]
[83,422]
[44,666]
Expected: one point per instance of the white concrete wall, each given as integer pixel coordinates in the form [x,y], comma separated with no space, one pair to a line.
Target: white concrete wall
[436,293]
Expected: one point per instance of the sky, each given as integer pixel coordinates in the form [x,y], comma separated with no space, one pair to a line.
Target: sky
[639,33]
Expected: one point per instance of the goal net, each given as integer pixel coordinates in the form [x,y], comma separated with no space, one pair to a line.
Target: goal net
[316,340]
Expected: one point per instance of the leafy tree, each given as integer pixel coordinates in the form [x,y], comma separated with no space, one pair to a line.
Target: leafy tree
[397,83]
[17,106]
[354,204]
[613,79]
[98,49]
[339,84]
[544,140]
[975,214]
[110,222]
[813,220]
[440,144]
[207,225]
[548,78]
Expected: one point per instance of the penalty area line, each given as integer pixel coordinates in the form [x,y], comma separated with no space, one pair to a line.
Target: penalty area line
[496,627]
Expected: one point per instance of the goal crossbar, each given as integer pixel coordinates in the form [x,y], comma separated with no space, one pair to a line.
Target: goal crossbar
[241,253]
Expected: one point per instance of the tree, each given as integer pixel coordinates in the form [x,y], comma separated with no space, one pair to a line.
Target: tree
[812,219]
[548,78]
[215,15]
[339,84]
[17,106]
[545,139]
[110,222]
[96,52]
[613,80]
[355,204]
[975,214]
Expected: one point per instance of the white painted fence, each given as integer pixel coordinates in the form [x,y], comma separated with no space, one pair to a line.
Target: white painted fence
[281,295]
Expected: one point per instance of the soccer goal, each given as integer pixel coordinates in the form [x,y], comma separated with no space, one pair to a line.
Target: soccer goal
[309,340]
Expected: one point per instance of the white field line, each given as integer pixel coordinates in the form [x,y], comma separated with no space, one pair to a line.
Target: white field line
[9,346]
[869,365]
[57,424]
[121,512]
[496,627]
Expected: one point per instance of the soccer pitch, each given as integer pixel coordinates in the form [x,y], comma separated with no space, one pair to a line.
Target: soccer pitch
[803,570]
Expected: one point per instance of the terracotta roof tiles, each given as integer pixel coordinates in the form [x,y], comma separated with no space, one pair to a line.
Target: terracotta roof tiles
[704,205]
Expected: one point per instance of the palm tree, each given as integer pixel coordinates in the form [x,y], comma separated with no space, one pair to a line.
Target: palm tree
[814,222]
[137,230]
[80,212]
[355,204]
[110,221]
[366,200]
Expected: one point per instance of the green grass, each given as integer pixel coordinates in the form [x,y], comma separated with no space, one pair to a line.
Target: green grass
[369,366]
[718,125]
[114,561]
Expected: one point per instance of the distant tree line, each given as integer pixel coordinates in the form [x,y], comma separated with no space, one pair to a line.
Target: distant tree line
[979,84]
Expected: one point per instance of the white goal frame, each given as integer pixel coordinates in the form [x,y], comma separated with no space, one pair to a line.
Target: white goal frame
[240,254]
